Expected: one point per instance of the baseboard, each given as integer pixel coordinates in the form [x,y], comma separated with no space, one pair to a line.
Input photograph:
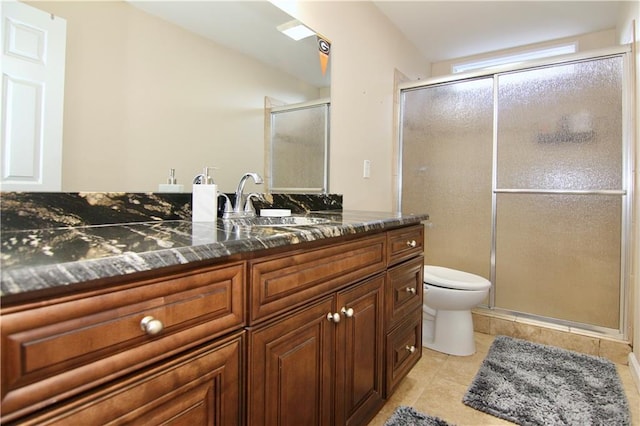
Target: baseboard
[634,367]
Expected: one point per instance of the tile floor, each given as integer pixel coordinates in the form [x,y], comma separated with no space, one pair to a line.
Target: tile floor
[438,382]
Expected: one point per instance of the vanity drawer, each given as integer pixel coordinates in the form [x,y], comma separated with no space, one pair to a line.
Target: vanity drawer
[200,387]
[61,349]
[286,281]
[403,290]
[404,349]
[405,243]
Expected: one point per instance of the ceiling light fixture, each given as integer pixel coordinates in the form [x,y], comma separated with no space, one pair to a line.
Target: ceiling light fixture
[295,29]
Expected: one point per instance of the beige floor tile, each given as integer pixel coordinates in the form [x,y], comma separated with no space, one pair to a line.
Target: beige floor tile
[438,382]
[483,342]
[630,389]
[461,370]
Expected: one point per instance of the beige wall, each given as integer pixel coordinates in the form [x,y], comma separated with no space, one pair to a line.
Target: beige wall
[629,32]
[143,96]
[366,49]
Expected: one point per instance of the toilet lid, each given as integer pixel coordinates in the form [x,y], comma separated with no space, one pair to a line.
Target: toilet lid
[452,278]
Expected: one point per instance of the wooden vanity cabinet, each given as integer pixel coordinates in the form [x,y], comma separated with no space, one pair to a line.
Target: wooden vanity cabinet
[318,335]
[322,363]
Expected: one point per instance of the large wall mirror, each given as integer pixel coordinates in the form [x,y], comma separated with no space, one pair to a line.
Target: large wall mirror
[298,148]
[157,85]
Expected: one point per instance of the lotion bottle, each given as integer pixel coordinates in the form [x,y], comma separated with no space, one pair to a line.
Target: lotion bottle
[204,198]
[172,184]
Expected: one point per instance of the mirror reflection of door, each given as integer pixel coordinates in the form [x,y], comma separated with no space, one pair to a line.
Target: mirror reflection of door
[33,67]
[299,148]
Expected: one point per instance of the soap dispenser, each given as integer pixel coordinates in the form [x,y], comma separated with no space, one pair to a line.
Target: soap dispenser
[172,184]
[204,207]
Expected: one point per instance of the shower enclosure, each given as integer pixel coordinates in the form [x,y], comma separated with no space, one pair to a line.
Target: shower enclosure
[525,174]
[298,148]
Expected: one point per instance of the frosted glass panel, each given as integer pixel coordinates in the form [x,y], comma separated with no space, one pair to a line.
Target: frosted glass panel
[561,127]
[299,141]
[446,170]
[559,256]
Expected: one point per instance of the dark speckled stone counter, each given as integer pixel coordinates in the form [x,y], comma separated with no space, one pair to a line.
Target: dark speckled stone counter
[45,258]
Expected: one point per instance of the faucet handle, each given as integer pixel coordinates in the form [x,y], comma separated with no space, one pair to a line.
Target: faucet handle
[228,208]
[249,210]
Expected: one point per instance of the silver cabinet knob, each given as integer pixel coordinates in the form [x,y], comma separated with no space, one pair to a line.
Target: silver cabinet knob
[335,317]
[347,312]
[151,326]
[410,290]
[412,243]
[411,348]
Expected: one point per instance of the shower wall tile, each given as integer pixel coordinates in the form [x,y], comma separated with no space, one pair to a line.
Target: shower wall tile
[570,341]
[503,327]
[527,332]
[550,334]
[481,323]
[617,352]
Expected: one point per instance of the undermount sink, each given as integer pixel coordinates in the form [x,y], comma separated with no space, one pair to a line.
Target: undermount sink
[286,221]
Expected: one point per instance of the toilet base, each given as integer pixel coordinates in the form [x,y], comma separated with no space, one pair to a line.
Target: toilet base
[453,333]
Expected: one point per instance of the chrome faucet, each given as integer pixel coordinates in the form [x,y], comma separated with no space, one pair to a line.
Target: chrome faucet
[238,209]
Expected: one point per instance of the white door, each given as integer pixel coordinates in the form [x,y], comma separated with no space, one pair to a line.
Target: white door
[32,69]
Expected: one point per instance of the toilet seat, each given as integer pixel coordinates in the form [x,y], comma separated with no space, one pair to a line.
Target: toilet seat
[451,278]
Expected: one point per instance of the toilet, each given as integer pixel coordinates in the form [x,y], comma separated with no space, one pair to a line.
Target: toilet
[449,296]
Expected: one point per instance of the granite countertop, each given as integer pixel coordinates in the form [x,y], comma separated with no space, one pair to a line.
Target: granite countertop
[38,259]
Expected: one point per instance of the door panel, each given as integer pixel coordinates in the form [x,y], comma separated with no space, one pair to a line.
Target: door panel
[560,201]
[33,60]
[447,155]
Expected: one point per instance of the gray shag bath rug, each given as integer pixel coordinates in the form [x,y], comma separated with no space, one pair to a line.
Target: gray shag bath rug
[407,416]
[533,384]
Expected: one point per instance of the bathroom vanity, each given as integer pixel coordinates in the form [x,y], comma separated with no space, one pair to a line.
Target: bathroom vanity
[287,325]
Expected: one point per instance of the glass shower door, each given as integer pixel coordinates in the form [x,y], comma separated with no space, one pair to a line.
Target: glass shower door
[559,192]
[447,133]
[298,152]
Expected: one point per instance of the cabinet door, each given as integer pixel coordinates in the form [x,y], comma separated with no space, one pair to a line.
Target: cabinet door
[201,387]
[291,369]
[359,362]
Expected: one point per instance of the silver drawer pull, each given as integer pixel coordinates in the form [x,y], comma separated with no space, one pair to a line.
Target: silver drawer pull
[410,290]
[347,312]
[335,317]
[411,349]
[151,326]
[412,243]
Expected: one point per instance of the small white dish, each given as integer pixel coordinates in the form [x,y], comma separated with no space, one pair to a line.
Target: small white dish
[275,212]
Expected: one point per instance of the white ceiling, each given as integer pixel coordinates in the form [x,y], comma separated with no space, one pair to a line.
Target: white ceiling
[441,30]
[444,30]
[248,27]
